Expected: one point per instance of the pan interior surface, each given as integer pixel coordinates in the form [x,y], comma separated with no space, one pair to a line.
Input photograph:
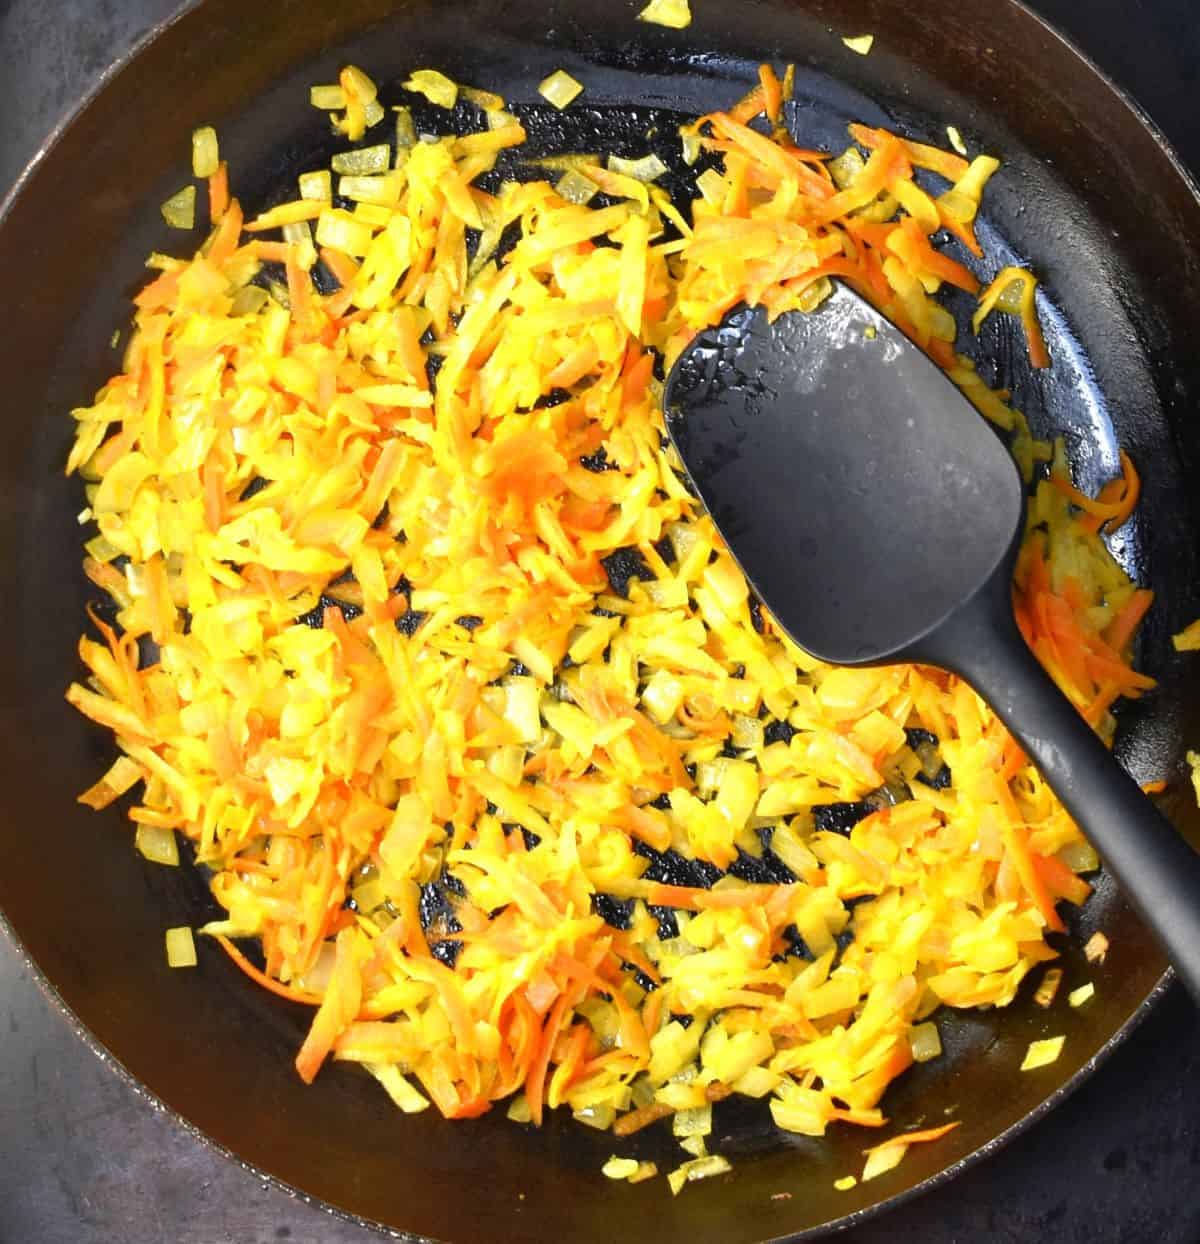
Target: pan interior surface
[1087,196]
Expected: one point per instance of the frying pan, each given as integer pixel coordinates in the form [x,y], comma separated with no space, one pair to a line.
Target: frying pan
[1089,195]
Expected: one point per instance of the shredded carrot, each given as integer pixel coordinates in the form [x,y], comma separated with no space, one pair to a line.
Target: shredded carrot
[772,93]
[261,978]
[1027,310]
[218,193]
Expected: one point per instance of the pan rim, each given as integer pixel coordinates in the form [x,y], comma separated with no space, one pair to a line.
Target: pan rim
[847,1221]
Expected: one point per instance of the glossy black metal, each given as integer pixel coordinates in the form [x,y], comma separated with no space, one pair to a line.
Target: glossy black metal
[833,425]
[1112,236]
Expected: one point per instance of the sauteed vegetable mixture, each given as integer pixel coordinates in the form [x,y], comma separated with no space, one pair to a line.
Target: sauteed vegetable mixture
[415,635]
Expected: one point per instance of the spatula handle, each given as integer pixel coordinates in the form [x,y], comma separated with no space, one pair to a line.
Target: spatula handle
[1155,867]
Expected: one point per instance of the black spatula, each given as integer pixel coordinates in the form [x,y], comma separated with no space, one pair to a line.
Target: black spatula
[878,517]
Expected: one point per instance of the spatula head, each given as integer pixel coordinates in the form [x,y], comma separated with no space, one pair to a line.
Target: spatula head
[860,492]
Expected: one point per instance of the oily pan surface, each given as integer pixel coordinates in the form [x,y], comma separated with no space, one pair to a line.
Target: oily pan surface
[91,911]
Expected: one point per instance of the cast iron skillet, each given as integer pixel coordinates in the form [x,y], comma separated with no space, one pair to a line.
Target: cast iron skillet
[1089,194]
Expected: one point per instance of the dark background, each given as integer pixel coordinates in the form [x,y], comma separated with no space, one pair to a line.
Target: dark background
[84,1159]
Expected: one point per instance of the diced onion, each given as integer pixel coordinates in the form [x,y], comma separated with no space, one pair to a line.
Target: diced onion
[674,14]
[435,86]
[712,186]
[645,1170]
[181,948]
[518,1109]
[1188,640]
[206,157]
[362,161]
[576,188]
[249,300]
[697,1122]
[1077,997]
[619,1168]
[382,191]
[1042,1053]
[1080,857]
[646,169]
[926,1042]
[339,230]
[156,844]
[179,211]
[599,1117]
[883,1158]
[327,98]
[1048,988]
[690,142]
[860,43]
[560,88]
[406,131]
[317,186]
[698,1168]
[845,1183]
[1096,948]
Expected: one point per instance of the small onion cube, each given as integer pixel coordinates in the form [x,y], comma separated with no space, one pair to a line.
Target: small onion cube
[206,156]
[181,948]
[576,188]
[406,131]
[599,1116]
[690,142]
[926,1042]
[158,845]
[619,1168]
[647,169]
[696,1122]
[883,1158]
[340,230]
[363,161]
[1048,988]
[249,300]
[1042,1053]
[560,88]
[179,211]
[860,43]
[327,98]
[1077,997]
[382,191]
[317,187]
[698,1168]
[711,185]
[436,87]
[675,14]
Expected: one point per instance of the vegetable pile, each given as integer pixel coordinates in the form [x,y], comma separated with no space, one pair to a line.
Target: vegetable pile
[418,638]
